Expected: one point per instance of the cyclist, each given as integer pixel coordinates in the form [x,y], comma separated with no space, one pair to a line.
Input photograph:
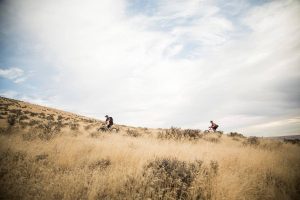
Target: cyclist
[213,126]
[109,121]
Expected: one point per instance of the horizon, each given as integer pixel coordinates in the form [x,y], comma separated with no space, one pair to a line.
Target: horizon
[157,63]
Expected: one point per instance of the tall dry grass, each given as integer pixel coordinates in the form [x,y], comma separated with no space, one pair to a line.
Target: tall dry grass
[114,166]
[41,161]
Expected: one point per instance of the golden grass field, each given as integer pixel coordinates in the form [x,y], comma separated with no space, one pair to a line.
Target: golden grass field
[50,154]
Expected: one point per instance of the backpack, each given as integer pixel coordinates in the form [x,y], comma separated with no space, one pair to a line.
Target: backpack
[111,120]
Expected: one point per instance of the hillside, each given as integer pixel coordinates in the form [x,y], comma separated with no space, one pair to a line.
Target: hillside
[51,154]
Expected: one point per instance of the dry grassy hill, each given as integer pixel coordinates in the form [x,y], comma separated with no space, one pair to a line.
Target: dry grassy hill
[50,154]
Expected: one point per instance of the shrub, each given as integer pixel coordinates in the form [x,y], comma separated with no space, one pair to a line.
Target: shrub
[59,118]
[4,107]
[33,114]
[235,134]
[179,134]
[252,141]
[292,141]
[34,122]
[53,127]
[133,133]
[146,131]
[50,117]
[192,133]
[74,126]
[11,120]
[23,124]
[23,117]
[9,156]
[4,113]
[42,115]
[169,178]
[32,134]
[16,111]
[59,124]
[27,112]
[42,131]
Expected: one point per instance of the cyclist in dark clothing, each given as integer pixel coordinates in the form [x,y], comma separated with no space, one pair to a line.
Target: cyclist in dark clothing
[109,121]
[213,126]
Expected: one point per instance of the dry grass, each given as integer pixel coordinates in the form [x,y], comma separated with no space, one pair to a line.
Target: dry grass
[82,163]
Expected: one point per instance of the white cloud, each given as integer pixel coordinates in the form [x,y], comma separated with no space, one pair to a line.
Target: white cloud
[9,94]
[279,123]
[14,73]
[287,126]
[183,65]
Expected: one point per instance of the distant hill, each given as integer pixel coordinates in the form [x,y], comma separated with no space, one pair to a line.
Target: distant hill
[288,137]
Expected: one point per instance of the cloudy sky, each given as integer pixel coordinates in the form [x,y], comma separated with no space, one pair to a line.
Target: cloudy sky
[158,63]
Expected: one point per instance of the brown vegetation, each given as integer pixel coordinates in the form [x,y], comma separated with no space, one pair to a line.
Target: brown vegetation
[57,155]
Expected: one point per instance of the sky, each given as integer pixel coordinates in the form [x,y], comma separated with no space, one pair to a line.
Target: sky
[158,63]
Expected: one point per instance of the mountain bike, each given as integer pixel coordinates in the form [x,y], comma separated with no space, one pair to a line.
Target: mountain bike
[104,128]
